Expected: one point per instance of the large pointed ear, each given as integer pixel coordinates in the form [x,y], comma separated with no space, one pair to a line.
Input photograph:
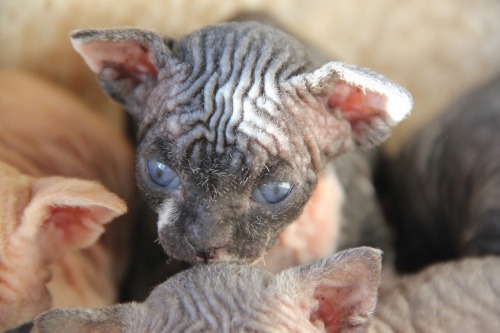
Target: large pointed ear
[370,103]
[127,61]
[64,214]
[115,319]
[339,292]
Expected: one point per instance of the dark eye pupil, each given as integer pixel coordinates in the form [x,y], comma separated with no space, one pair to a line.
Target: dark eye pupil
[160,171]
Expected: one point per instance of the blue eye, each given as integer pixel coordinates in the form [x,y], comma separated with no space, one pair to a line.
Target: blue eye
[272,193]
[162,175]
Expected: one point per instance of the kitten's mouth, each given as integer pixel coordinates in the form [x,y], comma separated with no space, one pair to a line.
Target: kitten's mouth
[233,260]
[183,250]
[228,258]
[223,255]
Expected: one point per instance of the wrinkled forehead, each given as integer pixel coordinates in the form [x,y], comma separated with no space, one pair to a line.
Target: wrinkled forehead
[223,285]
[230,42]
[229,298]
[228,107]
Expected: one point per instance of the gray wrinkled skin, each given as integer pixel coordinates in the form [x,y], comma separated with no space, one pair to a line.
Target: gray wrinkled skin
[458,296]
[225,297]
[231,108]
[446,184]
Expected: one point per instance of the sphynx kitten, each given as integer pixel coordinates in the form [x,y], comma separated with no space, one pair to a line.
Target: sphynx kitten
[237,128]
[445,185]
[58,164]
[334,294]
[337,293]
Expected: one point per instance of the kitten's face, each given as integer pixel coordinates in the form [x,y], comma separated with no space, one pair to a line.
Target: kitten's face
[222,172]
[219,206]
[219,165]
[234,125]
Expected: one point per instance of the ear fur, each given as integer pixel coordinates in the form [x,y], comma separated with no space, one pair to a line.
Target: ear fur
[127,61]
[338,292]
[370,103]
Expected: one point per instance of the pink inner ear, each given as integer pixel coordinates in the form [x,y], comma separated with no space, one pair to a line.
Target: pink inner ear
[129,58]
[69,228]
[341,307]
[78,225]
[331,309]
[357,104]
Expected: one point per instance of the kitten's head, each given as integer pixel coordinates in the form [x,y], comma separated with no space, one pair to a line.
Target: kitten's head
[235,122]
[334,294]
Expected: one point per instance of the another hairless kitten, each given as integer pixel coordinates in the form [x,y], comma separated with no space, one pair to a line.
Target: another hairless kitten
[445,191]
[334,294]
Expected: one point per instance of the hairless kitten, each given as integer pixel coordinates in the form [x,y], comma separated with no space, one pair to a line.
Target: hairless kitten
[446,184]
[236,126]
[334,294]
